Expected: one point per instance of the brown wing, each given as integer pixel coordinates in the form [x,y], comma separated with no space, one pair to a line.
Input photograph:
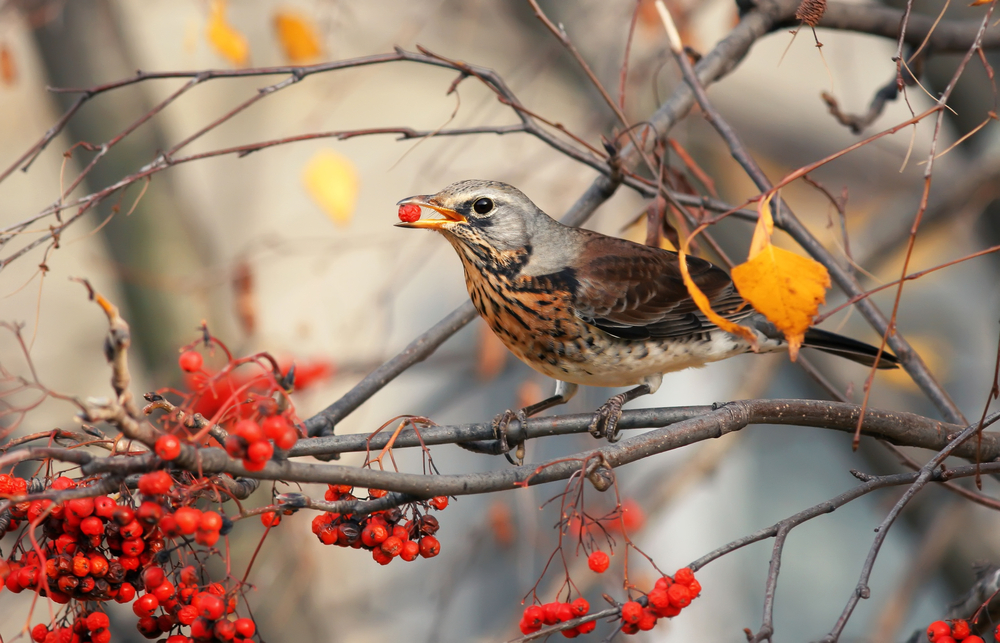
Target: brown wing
[634,291]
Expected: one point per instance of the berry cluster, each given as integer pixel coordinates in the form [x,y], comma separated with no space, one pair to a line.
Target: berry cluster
[537,616]
[93,627]
[95,549]
[254,442]
[952,631]
[668,598]
[384,533]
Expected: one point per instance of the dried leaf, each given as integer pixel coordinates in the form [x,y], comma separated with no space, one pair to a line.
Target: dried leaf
[298,37]
[765,226]
[8,71]
[332,182]
[705,307]
[786,288]
[979,3]
[224,38]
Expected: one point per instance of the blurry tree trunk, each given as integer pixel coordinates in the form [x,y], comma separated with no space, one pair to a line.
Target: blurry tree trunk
[157,239]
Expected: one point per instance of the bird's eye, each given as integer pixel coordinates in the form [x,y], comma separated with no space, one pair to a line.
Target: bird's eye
[483,205]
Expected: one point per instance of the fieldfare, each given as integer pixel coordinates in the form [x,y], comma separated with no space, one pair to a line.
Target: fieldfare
[585,308]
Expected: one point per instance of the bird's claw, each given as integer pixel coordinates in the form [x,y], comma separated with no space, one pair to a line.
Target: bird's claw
[605,421]
[500,425]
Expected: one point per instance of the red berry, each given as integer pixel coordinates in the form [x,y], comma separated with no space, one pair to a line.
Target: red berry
[274,426]
[631,612]
[374,534]
[410,551]
[440,502]
[178,638]
[429,547]
[210,606]
[260,452]
[164,591]
[210,521]
[409,212]
[92,526]
[270,519]
[236,446]
[534,615]
[245,627]
[188,519]
[694,588]
[679,595]
[190,361]
[125,593]
[587,628]
[972,638]
[599,562]
[224,630]
[938,630]
[249,431]
[287,439]
[81,507]
[647,621]
[960,629]
[145,605]
[201,629]
[133,547]
[97,621]
[564,612]
[381,557]
[155,483]
[168,447]
[187,615]
[40,631]
[131,530]
[528,628]
[392,546]
[207,538]
[152,577]
[580,606]
[684,576]
[123,515]
[104,507]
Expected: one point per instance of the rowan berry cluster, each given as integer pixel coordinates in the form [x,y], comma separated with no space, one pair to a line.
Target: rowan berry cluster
[95,549]
[952,631]
[386,534]
[537,616]
[668,597]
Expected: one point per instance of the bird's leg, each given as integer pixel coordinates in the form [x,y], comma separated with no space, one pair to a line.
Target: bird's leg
[564,391]
[605,422]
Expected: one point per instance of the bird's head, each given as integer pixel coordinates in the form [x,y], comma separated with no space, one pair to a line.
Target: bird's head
[483,215]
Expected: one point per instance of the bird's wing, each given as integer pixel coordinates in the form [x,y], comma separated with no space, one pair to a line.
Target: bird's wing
[634,291]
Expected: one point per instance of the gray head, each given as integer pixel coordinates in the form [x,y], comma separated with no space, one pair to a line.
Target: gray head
[484,214]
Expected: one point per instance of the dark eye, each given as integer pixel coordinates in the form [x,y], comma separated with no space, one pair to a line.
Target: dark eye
[483,205]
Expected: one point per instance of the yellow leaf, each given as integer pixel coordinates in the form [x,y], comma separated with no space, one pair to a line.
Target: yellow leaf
[765,226]
[786,288]
[705,307]
[226,40]
[297,36]
[332,182]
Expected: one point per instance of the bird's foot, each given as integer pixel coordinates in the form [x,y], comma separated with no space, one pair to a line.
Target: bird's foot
[500,425]
[605,421]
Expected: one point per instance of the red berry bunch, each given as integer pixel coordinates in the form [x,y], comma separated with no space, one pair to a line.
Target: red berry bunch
[91,627]
[254,442]
[384,533]
[668,598]
[87,549]
[11,486]
[537,616]
[952,631]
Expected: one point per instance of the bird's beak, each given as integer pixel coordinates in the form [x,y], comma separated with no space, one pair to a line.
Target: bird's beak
[427,201]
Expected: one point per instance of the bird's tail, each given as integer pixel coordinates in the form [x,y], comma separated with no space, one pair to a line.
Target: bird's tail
[846,347]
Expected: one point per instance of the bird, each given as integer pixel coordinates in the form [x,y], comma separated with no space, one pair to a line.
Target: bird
[586,308]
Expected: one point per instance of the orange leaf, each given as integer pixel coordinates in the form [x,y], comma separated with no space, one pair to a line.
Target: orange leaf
[785,287]
[705,307]
[226,40]
[297,36]
[765,226]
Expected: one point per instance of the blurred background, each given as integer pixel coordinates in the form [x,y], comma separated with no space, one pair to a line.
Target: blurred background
[292,250]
